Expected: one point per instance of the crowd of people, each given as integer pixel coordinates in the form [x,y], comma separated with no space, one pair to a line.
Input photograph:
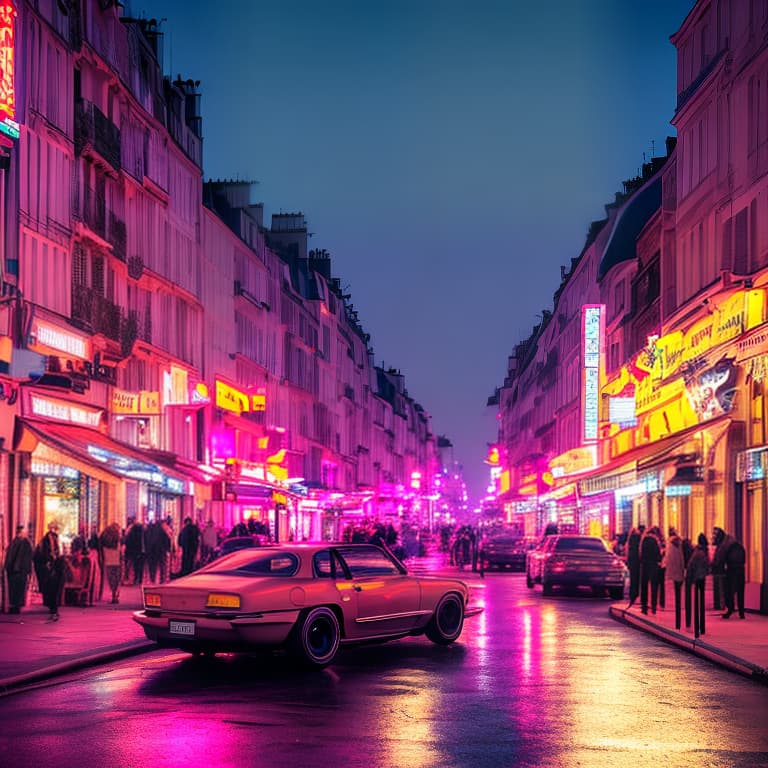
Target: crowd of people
[653,560]
[154,553]
[99,562]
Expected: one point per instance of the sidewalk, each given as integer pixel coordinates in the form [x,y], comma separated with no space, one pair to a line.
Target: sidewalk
[738,645]
[32,650]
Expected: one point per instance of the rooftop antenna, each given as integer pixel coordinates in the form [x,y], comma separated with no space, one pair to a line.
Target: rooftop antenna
[653,148]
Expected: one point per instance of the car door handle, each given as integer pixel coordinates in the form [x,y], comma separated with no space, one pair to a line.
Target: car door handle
[357,588]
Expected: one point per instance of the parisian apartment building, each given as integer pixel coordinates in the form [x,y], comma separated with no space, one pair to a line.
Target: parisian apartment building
[164,352]
[640,398]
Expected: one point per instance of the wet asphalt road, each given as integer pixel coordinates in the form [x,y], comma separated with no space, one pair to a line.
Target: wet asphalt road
[533,682]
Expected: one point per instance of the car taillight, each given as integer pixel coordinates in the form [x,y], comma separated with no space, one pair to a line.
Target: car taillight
[222,600]
[152,600]
[556,566]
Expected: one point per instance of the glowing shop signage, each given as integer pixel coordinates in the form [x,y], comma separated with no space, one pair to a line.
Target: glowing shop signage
[61,411]
[730,318]
[49,469]
[58,339]
[198,394]
[175,386]
[751,464]
[8,124]
[592,316]
[135,403]
[573,461]
[260,400]
[231,399]
[621,410]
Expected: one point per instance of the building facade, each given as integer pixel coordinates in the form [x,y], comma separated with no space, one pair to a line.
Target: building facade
[163,353]
[679,338]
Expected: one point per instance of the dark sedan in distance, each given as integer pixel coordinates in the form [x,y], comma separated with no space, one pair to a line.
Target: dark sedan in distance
[504,550]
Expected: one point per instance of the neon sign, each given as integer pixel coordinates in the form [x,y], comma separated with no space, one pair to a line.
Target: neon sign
[8,124]
[592,347]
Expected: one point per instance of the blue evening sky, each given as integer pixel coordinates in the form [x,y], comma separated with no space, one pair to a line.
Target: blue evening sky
[449,155]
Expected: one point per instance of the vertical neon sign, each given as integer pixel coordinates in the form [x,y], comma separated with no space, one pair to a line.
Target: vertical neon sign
[7,67]
[592,349]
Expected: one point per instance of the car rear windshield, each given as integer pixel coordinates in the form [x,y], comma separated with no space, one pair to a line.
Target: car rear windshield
[256,563]
[580,543]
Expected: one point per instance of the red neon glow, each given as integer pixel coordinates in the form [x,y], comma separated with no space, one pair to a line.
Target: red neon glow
[7,57]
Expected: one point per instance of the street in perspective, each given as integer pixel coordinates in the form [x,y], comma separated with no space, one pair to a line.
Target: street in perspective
[384,384]
[532,681]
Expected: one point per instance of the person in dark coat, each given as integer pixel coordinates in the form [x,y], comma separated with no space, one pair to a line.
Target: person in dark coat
[158,546]
[722,542]
[189,541]
[674,564]
[695,580]
[18,566]
[134,553]
[735,578]
[49,569]
[633,562]
[650,560]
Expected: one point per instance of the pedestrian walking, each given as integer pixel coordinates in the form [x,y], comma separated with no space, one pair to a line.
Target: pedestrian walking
[209,542]
[97,582]
[735,563]
[49,570]
[722,542]
[189,542]
[674,566]
[695,580]
[109,542]
[650,560]
[633,562]
[134,553]
[18,567]
[168,545]
[662,574]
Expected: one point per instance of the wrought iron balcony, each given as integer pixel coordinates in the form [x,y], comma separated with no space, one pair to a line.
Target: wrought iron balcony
[118,236]
[96,313]
[96,135]
[90,208]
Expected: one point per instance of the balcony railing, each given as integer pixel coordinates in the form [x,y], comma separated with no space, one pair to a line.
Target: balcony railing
[96,134]
[91,310]
[118,236]
[90,207]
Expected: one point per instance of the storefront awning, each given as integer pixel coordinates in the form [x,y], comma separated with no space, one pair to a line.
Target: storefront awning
[629,468]
[91,449]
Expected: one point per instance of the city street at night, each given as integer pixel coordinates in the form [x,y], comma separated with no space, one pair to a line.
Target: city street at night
[533,681]
[383,384]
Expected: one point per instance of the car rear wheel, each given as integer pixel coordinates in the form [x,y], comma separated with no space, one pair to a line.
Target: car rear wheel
[317,637]
[546,588]
[528,580]
[447,621]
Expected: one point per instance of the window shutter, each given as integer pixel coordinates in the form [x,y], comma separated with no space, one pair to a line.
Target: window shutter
[741,244]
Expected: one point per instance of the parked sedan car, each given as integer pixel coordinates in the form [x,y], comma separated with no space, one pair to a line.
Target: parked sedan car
[571,560]
[504,550]
[308,598]
[534,559]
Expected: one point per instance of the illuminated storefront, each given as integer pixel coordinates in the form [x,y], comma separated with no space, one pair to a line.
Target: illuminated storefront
[73,473]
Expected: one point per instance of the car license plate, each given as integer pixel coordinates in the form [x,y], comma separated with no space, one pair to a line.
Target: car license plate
[182,628]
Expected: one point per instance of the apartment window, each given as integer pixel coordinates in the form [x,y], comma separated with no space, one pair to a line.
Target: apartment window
[618,298]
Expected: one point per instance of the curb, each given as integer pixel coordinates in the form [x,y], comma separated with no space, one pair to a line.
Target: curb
[696,646]
[134,648]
